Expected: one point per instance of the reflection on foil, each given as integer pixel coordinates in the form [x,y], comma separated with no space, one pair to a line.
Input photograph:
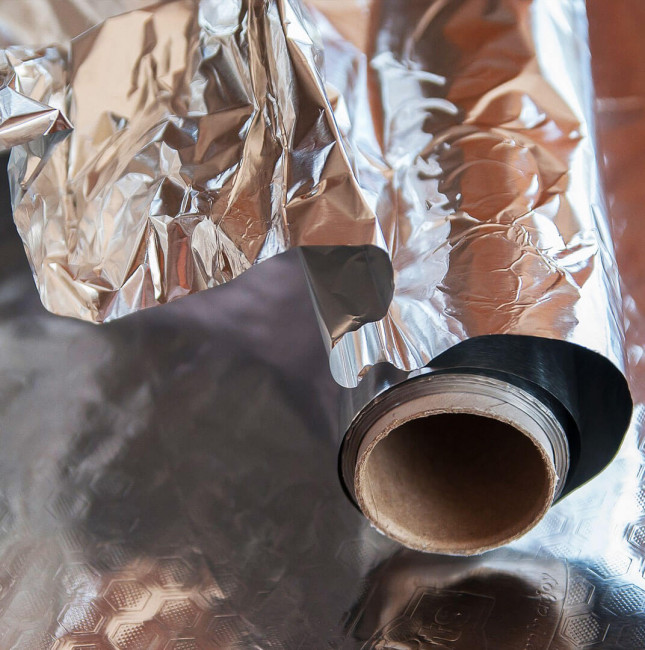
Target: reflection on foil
[506,600]
[187,162]
[224,133]
[37,22]
[167,481]
[25,119]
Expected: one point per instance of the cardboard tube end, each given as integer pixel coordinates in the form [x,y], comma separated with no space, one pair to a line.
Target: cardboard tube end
[455,483]
[455,463]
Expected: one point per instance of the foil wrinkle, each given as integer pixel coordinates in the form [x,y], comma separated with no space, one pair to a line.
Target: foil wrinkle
[219,134]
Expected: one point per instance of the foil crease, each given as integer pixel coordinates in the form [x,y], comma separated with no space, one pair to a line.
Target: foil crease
[202,144]
[217,137]
[147,502]
[489,200]
[24,119]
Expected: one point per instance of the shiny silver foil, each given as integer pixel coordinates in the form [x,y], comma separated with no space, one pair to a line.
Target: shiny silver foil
[490,201]
[224,133]
[202,144]
[38,22]
[167,481]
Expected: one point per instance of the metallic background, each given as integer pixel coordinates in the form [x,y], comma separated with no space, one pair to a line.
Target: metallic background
[140,510]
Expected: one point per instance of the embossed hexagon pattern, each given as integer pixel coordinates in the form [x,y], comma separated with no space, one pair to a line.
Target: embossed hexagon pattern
[225,631]
[77,577]
[67,506]
[135,636]
[625,600]
[552,524]
[224,583]
[586,527]
[585,629]
[172,572]
[612,566]
[34,641]
[632,637]
[178,614]
[127,595]
[81,619]
[28,605]
[117,556]
[561,550]
[580,591]
[640,498]
[354,552]
[636,536]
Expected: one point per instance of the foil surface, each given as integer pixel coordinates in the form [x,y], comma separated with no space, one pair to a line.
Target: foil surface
[202,139]
[37,22]
[480,120]
[456,136]
[168,480]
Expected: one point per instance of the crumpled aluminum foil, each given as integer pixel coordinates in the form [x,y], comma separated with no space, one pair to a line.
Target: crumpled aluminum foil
[217,137]
[128,519]
[182,177]
[36,22]
[491,204]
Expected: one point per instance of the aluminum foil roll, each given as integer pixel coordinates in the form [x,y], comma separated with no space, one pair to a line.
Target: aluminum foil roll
[505,282]
[447,145]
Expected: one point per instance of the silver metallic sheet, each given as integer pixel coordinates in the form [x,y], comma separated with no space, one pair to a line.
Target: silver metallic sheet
[480,120]
[456,135]
[38,22]
[197,151]
[140,510]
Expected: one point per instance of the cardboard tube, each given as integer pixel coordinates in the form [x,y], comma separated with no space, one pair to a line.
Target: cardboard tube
[462,464]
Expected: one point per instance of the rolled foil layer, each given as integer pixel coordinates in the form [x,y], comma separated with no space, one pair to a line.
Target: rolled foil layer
[491,205]
[490,201]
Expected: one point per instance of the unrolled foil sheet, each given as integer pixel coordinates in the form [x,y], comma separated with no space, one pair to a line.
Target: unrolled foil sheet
[141,511]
